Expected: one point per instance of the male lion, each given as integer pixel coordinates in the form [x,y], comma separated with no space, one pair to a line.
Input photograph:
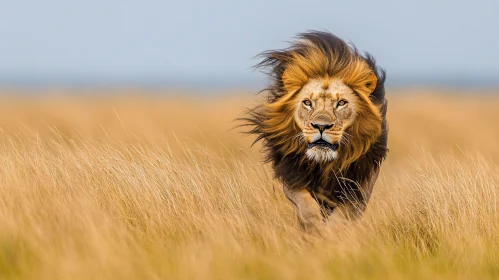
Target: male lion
[323,126]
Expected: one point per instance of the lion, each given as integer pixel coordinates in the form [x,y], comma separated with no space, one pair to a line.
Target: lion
[323,125]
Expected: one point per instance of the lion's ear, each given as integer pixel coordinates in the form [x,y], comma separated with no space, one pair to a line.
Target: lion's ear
[371,82]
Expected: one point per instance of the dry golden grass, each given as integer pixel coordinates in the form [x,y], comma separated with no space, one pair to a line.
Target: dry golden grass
[159,188]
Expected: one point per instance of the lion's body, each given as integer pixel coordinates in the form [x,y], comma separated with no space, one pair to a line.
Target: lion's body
[347,180]
[333,186]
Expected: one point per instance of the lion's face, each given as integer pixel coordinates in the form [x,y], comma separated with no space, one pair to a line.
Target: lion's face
[324,110]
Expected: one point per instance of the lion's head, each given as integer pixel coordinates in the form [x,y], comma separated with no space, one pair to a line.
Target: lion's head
[321,106]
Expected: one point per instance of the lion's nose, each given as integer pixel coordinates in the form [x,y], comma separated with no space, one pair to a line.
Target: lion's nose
[321,127]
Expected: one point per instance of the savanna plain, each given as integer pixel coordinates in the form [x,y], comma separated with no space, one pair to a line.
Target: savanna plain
[157,185]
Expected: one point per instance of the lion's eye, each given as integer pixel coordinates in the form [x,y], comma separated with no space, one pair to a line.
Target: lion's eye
[341,103]
[307,103]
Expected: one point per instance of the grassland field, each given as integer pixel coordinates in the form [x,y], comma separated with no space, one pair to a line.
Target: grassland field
[151,186]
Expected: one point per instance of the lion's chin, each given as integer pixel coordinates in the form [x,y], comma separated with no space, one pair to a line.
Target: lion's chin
[321,154]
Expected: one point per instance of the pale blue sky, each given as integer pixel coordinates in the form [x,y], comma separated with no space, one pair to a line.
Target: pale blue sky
[191,43]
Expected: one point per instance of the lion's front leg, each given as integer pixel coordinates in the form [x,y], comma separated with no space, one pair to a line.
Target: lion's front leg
[309,212]
[354,207]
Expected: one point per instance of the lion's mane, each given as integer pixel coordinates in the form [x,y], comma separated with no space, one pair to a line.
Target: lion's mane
[320,55]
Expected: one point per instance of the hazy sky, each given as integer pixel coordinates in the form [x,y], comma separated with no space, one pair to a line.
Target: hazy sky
[214,42]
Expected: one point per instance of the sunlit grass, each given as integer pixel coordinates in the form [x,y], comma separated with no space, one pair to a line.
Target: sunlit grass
[132,207]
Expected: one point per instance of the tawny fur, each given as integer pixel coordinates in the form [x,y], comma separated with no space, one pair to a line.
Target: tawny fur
[322,56]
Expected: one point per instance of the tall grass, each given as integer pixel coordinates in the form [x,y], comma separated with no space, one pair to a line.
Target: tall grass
[90,207]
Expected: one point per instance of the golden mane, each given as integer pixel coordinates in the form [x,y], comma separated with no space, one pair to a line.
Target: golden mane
[322,56]
[317,55]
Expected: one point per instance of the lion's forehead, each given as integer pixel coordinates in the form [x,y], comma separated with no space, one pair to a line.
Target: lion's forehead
[329,88]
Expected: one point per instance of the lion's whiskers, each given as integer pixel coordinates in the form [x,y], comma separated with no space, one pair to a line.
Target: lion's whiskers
[301,138]
[345,139]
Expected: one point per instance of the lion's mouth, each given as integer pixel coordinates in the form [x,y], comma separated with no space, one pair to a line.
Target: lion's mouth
[321,143]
